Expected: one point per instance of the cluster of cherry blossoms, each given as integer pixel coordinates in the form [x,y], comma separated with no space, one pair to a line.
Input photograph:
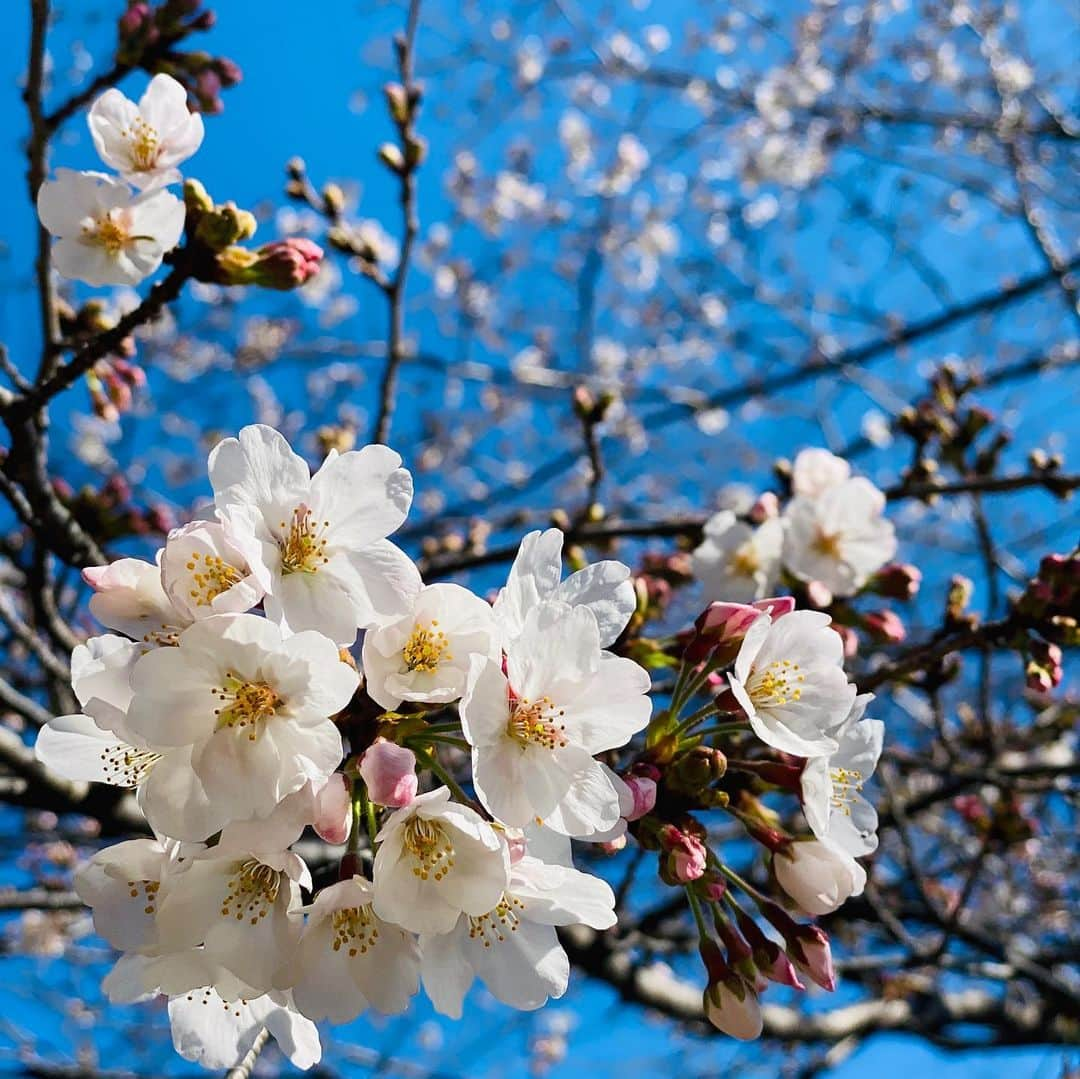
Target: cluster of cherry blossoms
[831,536]
[223,722]
[117,229]
[281,665]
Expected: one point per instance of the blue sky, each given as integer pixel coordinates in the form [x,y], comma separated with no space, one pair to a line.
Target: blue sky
[303,67]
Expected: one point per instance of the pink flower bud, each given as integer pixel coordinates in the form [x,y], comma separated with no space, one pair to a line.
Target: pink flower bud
[720,625]
[643,791]
[333,809]
[686,854]
[132,21]
[885,626]
[813,955]
[819,594]
[389,771]
[776,607]
[898,580]
[287,264]
[765,508]
[849,638]
[613,846]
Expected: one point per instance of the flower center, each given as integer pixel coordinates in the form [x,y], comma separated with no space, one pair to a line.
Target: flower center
[492,927]
[244,703]
[144,144]
[533,723]
[847,783]
[126,766]
[429,844]
[253,890]
[149,889]
[303,546]
[426,648]
[355,929]
[826,544]
[107,232]
[778,684]
[745,562]
[213,577]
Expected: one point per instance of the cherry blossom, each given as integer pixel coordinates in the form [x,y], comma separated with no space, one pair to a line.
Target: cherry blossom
[203,574]
[832,786]
[350,959]
[105,234]
[218,1035]
[436,860]
[129,597]
[145,142]
[736,561]
[604,588]
[838,537]
[535,730]
[815,471]
[317,544]
[252,707]
[789,679]
[425,654]
[513,948]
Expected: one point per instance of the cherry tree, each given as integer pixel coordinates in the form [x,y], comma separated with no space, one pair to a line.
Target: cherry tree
[624,548]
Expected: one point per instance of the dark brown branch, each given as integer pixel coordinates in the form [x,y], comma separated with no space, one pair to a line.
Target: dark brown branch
[410,163]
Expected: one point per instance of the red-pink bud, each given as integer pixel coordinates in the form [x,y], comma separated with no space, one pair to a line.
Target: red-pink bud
[776,607]
[613,846]
[819,594]
[287,264]
[885,626]
[133,20]
[898,580]
[333,809]
[389,771]
[686,856]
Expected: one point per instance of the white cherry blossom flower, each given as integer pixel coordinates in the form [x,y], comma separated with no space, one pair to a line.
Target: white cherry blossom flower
[218,1035]
[605,588]
[832,797]
[99,746]
[818,875]
[535,730]
[145,142]
[252,709]
[839,537]
[212,1026]
[106,235]
[513,948]
[317,544]
[239,900]
[122,884]
[349,959]
[738,562]
[436,860]
[203,574]
[425,654]
[130,598]
[815,471]
[789,679]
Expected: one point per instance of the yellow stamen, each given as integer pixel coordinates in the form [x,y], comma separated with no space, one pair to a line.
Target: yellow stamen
[244,703]
[533,723]
[426,648]
[212,578]
[355,929]
[428,843]
[302,543]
